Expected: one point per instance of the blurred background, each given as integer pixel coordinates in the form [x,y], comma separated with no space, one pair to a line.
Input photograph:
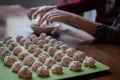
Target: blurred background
[34,3]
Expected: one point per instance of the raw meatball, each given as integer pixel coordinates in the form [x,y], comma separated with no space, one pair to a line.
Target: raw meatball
[42,57]
[32,47]
[40,43]
[22,41]
[16,66]
[18,38]
[6,38]
[58,55]
[12,45]
[57,69]
[32,36]
[17,50]
[63,47]
[35,40]
[4,53]
[36,52]
[1,44]
[47,38]
[70,52]
[36,65]
[22,55]
[66,60]
[9,41]
[58,44]
[46,46]
[49,62]
[51,51]
[9,60]
[89,62]
[43,71]
[25,72]
[79,56]
[75,66]
[28,60]
[52,41]
[42,36]
[2,49]
[27,44]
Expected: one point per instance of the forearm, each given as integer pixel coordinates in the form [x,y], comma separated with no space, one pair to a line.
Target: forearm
[86,25]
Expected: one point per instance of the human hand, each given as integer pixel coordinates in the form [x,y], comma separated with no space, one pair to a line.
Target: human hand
[34,12]
[58,16]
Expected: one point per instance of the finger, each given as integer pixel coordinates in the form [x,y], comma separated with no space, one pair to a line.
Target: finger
[36,13]
[42,10]
[30,12]
[46,16]
[54,17]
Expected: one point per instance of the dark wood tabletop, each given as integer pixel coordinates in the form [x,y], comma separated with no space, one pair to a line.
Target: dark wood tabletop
[107,54]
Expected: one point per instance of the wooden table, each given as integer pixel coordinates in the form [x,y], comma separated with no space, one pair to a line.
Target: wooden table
[105,53]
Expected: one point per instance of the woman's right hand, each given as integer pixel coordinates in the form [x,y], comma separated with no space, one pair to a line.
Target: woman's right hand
[32,13]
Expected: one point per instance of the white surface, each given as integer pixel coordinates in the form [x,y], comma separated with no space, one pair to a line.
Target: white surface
[18,26]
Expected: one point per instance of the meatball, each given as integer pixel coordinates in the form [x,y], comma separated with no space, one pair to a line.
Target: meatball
[42,57]
[52,41]
[28,60]
[17,50]
[51,51]
[43,71]
[16,66]
[57,69]
[66,60]
[40,43]
[12,45]
[79,56]
[58,55]
[58,44]
[42,36]
[63,47]
[49,62]
[32,47]
[18,38]
[70,52]
[9,60]
[36,65]
[32,36]
[47,38]
[22,55]
[9,41]
[6,38]
[22,41]
[25,72]
[2,49]
[27,44]
[89,62]
[35,40]
[75,66]
[46,46]
[36,52]
[4,53]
